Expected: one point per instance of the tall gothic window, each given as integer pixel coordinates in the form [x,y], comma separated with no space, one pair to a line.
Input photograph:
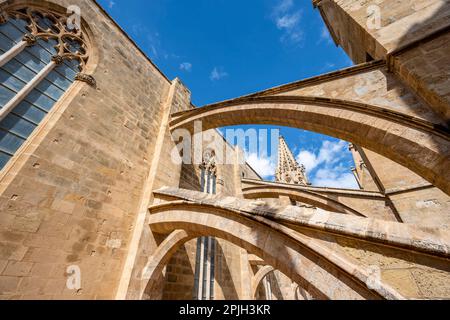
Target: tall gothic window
[40,57]
[206,246]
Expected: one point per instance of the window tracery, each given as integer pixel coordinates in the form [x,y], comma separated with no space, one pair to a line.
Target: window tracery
[40,57]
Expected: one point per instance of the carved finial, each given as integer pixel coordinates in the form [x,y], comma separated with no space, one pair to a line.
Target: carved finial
[57,59]
[86,78]
[30,39]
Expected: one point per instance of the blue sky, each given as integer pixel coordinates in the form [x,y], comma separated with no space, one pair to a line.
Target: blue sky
[222,49]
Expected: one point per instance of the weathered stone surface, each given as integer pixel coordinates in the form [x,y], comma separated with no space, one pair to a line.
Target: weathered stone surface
[77,193]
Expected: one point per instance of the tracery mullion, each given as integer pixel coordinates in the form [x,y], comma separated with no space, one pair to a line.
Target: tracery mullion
[37,43]
[213,266]
[201,269]
[55,83]
[207,285]
[25,82]
[26,90]
[37,88]
[18,46]
[19,60]
[30,52]
[61,74]
[8,86]
[39,60]
[65,61]
[11,53]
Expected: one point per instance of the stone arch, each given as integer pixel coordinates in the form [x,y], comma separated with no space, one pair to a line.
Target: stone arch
[419,145]
[152,270]
[303,196]
[258,277]
[299,293]
[320,277]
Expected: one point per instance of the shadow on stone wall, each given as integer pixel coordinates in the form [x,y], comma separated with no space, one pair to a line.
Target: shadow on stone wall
[179,278]
[188,178]
[223,276]
[428,68]
[275,287]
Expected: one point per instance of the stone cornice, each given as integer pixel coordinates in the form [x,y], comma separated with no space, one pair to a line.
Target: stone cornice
[106,14]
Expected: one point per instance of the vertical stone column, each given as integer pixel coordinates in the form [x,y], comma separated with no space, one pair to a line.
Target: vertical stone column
[246,277]
[237,168]
[208,268]
[219,185]
[178,98]
[201,270]
[267,287]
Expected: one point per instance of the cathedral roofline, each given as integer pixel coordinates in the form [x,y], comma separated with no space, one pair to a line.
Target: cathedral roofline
[330,76]
[103,11]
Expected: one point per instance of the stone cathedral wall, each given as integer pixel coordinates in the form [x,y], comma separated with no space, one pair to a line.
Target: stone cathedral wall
[179,278]
[403,25]
[71,195]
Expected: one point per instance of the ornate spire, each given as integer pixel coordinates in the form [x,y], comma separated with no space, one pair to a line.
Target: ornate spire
[288,170]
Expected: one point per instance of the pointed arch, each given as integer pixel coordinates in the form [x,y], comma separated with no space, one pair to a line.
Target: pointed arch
[419,145]
[313,271]
[258,277]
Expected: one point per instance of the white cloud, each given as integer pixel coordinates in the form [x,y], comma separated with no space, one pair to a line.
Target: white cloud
[111,4]
[328,67]
[288,21]
[328,162]
[325,36]
[283,6]
[264,166]
[151,42]
[186,66]
[217,73]
[308,159]
[333,179]
[329,153]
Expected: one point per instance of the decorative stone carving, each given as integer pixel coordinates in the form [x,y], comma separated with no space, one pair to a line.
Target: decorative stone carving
[209,161]
[30,39]
[49,25]
[288,170]
[86,78]
[3,17]
[57,59]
